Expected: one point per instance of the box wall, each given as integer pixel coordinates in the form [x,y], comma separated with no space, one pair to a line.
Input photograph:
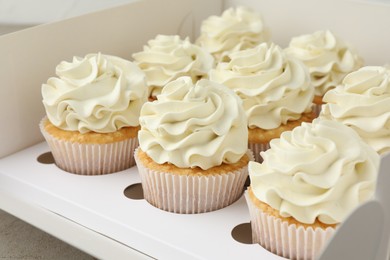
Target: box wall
[363,24]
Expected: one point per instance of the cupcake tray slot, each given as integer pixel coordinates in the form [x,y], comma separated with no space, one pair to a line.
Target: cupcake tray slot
[112,206]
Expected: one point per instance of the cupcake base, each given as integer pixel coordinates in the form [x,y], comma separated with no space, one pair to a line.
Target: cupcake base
[90,154]
[191,191]
[258,139]
[285,236]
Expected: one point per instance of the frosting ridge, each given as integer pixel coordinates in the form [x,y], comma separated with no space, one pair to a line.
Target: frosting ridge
[328,58]
[362,103]
[167,57]
[99,93]
[273,87]
[194,125]
[236,29]
[321,170]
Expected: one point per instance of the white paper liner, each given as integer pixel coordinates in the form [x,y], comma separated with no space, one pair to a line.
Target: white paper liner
[91,159]
[284,239]
[192,194]
[257,148]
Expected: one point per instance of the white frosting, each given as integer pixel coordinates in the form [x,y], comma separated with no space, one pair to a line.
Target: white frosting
[236,29]
[274,88]
[99,93]
[201,125]
[167,57]
[363,103]
[321,170]
[328,58]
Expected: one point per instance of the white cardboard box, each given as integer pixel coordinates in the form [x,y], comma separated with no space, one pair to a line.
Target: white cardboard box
[92,212]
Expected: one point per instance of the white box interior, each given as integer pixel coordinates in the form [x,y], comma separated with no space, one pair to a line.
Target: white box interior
[97,202]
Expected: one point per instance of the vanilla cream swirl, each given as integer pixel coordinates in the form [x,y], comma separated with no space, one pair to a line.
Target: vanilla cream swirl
[194,125]
[322,170]
[274,88]
[236,29]
[328,58]
[362,102]
[167,57]
[98,93]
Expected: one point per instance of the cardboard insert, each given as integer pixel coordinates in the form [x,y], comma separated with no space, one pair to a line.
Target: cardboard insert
[98,203]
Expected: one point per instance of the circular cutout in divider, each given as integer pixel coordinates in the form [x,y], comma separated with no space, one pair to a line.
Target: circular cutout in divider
[134,192]
[242,233]
[46,158]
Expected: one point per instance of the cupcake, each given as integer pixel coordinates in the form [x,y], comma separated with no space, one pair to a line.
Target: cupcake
[328,58]
[275,90]
[362,102]
[167,57]
[193,152]
[92,109]
[311,179]
[236,29]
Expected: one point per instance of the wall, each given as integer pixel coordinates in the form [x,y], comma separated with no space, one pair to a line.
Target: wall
[19,14]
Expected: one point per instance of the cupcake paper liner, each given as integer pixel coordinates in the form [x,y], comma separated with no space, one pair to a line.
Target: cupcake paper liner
[191,194]
[91,159]
[257,148]
[284,239]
